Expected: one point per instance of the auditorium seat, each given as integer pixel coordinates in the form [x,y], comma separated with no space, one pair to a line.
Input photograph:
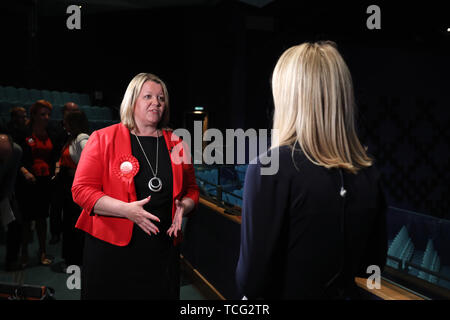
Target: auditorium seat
[95,113]
[48,95]
[84,99]
[240,170]
[107,113]
[232,199]
[5,107]
[445,271]
[239,192]
[207,180]
[10,94]
[57,112]
[417,260]
[74,97]
[435,266]
[57,97]
[35,95]
[211,176]
[397,247]
[100,124]
[87,112]
[66,96]
[23,95]
[431,262]
[407,252]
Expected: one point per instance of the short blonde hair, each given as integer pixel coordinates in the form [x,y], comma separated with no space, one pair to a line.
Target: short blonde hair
[315,106]
[131,95]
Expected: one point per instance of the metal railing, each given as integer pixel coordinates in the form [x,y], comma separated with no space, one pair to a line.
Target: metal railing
[403,267]
[218,198]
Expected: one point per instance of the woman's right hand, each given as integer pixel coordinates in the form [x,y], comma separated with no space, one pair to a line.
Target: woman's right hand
[142,218]
[30,177]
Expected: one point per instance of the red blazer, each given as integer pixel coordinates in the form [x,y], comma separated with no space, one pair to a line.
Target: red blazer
[99,173]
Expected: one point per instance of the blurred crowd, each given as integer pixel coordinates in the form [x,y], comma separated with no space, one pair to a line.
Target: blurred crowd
[38,159]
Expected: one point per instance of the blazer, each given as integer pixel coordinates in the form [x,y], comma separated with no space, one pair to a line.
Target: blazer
[100,172]
[301,237]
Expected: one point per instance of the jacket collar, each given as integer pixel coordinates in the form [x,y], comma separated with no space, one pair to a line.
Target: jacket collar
[177,170]
[123,143]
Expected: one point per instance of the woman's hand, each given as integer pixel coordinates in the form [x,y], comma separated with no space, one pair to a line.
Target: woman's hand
[177,218]
[142,218]
[30,177]
[57,170]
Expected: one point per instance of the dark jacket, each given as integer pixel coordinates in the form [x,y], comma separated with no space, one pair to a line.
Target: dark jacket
[294,241]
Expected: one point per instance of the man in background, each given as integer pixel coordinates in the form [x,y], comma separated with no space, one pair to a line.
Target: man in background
[10,156]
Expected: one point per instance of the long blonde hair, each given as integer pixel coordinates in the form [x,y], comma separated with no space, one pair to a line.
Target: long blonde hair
[315,106]
[131,95]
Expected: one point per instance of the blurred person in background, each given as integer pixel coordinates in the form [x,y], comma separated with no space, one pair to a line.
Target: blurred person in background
[10,157]
[16,126]
[77,126]
[38,167]
[61,134]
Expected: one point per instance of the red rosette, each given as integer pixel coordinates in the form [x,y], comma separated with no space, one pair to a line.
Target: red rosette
[125,167]
[30,141]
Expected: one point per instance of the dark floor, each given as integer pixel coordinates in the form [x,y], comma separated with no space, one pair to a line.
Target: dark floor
[53,276]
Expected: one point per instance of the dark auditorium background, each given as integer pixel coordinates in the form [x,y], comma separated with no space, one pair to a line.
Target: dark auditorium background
[220,55]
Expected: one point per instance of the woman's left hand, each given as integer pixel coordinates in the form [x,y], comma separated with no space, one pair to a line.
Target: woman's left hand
[177,218]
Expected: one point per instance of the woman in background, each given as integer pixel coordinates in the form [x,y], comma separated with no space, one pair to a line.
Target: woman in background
[309,229]
[38,167]
[77,126]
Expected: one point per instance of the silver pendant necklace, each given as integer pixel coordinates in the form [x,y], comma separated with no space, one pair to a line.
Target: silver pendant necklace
[155,183]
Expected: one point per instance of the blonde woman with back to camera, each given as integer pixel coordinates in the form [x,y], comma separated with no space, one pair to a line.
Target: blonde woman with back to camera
[320,221]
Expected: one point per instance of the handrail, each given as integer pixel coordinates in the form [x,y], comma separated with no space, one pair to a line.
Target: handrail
[411,264]
[425,216]
[389,290]
[218,199]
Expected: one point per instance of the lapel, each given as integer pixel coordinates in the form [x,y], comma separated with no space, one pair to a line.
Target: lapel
[177,169]
[122,145]
[122,140]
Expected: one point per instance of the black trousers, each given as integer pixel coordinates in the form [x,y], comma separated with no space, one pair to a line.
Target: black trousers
[72,238]
[14,233]
[56,207]
[13,241]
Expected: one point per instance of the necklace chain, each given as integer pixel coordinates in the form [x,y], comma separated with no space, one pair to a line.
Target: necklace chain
[145,155]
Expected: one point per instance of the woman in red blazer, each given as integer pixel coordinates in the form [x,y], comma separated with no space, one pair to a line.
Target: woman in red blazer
[134,189]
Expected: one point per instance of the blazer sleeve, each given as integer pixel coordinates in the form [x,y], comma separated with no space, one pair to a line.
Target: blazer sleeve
[87,186]
[191,187]
[265,205]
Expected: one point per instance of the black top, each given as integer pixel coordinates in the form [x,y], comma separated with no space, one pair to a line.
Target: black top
[293,242]
[160,203]
[56,129]
[148,267]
